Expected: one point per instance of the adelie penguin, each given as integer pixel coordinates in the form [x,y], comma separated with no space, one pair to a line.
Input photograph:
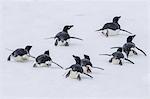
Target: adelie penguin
[117,57]
[20,54]
[76,70]
[112,28]
[44,60]
[62,37]
[130,48]
[87,65]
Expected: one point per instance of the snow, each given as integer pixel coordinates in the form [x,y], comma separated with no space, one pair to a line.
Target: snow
[28,23]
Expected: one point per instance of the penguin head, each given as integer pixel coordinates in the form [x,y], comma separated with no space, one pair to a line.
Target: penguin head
[67,27]
[119,49]
[28,47]
[77,59]
[86,57]
[116,19]
[46,52]
[130,38]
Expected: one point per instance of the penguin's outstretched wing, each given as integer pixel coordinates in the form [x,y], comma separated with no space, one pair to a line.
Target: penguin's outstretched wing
[106,54]
[76,38]
[125,31]
[87,75]
[128,60]
[141,51]
[57,64]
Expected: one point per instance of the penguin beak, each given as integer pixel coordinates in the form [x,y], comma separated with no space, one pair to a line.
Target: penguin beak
[119,17]
[133,36]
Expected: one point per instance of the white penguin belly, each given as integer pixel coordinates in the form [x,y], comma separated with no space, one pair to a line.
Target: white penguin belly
[115,61]
[21,58]
[111,32]
[131,52]
[74,74]
[60,43]
[48,63]
[85,68]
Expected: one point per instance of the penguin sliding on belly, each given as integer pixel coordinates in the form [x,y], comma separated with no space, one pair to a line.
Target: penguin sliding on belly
[76,70]
[130,48]
[20,54]
[44,60]
[112,28]
[87,65]
[62,37]
[117,57]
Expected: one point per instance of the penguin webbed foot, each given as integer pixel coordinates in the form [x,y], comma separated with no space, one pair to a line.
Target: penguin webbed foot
[120,63]
[56,43]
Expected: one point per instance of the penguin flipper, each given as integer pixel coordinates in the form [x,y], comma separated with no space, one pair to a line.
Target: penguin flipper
[76,38]
[106,54]
[87,75]
[97,68]
[57,64]
[128,60]
[141,51]
[125,31]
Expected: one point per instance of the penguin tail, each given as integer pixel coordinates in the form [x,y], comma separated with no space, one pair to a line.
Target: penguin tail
[57,64]
[76,38]
[141,51]
[106,54]
[125,31]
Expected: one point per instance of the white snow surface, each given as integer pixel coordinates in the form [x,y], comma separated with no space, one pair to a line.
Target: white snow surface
[28,23]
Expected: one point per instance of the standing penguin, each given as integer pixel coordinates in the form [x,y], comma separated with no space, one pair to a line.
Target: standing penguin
[76,70]
[62,37]
[130,48]
[112,28]
[87,65]
[20,54]
[44,60]
[117,57]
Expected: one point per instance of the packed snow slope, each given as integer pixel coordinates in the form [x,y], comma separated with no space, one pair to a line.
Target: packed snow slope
[28,23]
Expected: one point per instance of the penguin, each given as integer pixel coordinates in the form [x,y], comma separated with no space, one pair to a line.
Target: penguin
[62,37]
[44,60]
[112,28]
[20,54]
[87,65]
[130,48]
[117,57]
[76,69]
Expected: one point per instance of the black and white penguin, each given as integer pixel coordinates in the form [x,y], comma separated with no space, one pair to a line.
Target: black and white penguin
[112,28]
[20,54]
[44,60]
[117,57]
[76,70]
[130,48]
[87,65]
[62,37]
